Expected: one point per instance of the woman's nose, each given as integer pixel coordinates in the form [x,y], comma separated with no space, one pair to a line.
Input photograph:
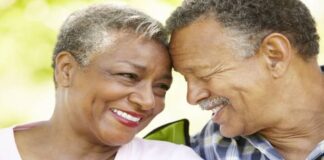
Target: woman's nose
[143,97]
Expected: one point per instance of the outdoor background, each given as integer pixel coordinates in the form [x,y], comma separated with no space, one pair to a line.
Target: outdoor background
[28,30]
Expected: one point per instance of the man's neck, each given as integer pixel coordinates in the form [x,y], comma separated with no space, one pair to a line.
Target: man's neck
[302,124]
[294,144]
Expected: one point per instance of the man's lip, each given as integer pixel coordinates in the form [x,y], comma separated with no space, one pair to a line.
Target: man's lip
[211,108]
[216,116]
[212,103]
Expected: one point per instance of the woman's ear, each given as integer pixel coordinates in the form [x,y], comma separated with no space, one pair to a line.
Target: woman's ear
[65,65]
[277,52]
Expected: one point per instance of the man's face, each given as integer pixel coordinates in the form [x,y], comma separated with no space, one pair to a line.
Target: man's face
[236,89]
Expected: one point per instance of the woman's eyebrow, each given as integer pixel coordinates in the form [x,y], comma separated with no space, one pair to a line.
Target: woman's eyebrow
[138,66]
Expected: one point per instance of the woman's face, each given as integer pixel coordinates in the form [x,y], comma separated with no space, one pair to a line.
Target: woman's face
[120,91]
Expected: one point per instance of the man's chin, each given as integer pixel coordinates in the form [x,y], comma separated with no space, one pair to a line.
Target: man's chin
[228,132]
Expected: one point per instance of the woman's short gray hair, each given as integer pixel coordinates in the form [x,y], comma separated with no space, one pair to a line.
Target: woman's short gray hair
[84,31]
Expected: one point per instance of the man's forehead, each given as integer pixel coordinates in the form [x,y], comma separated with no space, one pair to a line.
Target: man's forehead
[202,33]
[199,45]
[191,67]
[189,62]
[205,26]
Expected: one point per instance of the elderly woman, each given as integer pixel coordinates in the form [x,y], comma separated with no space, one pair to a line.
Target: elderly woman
[111,72]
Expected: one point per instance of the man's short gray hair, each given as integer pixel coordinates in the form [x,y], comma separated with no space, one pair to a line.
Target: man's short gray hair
[249,21]
[84,32]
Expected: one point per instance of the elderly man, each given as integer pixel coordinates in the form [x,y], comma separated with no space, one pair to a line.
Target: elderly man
[253,64]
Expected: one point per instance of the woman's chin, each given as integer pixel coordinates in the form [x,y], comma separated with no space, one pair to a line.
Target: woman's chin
[117,139]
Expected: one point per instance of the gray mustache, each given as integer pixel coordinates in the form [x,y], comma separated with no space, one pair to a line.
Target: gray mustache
[212,102]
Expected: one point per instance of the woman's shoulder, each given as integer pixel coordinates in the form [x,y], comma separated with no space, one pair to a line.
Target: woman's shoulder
[157,144]
[8,147]
[148,149]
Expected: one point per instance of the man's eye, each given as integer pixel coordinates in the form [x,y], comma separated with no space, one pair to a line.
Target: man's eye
[131,76]
[205,78]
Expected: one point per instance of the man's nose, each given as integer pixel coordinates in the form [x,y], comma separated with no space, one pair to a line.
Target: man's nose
[143,97]
[196,92]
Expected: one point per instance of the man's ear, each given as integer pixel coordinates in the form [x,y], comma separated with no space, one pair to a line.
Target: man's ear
[277,52]
[65,65]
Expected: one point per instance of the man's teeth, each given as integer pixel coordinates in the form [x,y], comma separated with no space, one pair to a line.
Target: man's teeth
[126,115]
[215,110]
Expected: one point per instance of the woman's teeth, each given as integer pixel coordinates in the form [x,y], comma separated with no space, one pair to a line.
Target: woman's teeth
[126,115]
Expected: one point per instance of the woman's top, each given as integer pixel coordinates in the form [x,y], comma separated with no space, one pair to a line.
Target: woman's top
[137,149]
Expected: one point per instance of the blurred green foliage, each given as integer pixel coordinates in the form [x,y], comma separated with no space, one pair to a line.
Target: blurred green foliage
[28,30]
[26,41]
[172,2]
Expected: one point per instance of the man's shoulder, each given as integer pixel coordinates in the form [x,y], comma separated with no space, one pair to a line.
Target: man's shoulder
[210,136]
[210,144]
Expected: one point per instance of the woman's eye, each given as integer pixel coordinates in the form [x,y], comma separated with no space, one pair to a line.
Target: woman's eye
[164,86]
[161,89]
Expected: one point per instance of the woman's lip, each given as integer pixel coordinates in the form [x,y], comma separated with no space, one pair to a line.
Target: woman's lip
[125,121]
[133,113]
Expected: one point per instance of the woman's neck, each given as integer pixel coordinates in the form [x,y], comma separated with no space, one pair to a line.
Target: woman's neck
[54,139]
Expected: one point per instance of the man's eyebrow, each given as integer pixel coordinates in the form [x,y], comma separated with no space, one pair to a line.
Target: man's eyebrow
[186,70]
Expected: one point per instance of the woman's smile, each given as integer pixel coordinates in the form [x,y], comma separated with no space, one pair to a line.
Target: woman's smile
[127,118]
